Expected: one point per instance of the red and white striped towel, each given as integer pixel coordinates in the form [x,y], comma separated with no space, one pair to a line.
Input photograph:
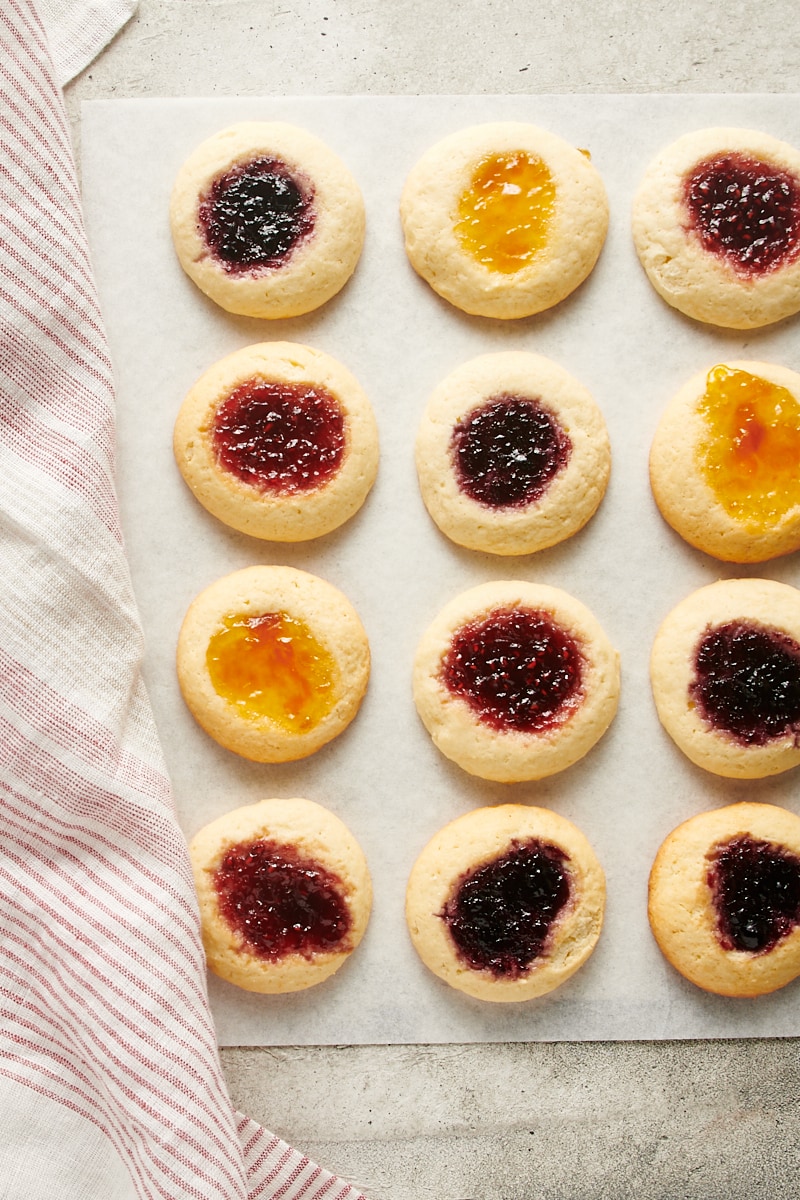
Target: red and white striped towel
[110,1084]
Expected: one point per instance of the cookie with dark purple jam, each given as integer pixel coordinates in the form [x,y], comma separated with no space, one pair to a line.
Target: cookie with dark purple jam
[716,222]
[267,220]
[724,899]
[506,903]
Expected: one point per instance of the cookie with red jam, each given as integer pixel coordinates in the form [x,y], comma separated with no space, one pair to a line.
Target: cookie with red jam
[515,681]
[267,220]
[724,899]
[279,441]
[512,454]
[284,892]
[272,662]
[716,225]
[506,903]
[505,219]
[724,461]
[725,672]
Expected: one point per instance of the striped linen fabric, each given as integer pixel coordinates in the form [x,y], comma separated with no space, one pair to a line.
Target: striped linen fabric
[110,1083]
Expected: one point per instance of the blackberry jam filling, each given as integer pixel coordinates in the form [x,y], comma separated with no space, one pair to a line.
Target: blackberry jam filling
[279,437]
[755,888]
[747,682]
[500,915]
[279,902]
[508,450]
[517,669]
[745,211]
[255,215]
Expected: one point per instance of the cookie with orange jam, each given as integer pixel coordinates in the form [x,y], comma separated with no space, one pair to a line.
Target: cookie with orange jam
[267,220]
[278,441]
[505,219]
[515,681]
[716,225]
[272,662]
[284,893]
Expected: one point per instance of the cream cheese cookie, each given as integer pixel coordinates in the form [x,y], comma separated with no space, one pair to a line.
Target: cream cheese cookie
[724,899]
[716,225]
[515,681]
[272,662]
[284,893]
[512,454]
[504,219]
[267,220]
[278,441]
[725,672]
[506,903]
[724,461]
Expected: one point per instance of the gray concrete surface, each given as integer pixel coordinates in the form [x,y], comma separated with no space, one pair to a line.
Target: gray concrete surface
[674,1121]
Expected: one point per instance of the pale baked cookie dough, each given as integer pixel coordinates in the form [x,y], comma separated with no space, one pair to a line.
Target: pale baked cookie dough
[267,220]
[716,225]
[724,899]
[279,441]
[272,662]
[506,903]
[284,893]
[725,672]
[515,680]
[504,219]
[512,454]
[724,461]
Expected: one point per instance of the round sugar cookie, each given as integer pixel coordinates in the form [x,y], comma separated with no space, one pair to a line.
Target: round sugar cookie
[512,454]
[272,662]
[724,899]
[284,893]
[267,220]
[504,219]
[716,225]
[724,461]
[515,680]
[506,903]
[725,673]
[278,441]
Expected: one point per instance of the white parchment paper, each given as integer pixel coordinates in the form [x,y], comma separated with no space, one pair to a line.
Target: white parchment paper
[383,777]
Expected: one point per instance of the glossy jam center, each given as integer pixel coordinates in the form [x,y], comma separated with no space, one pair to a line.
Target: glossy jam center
[501,914]
[750,455]
[747,682]
[508,450]
[281,438]
[755,889]
[271,665]
[279,902]
[504,216]
[516,669]
[255,215]
[745,211]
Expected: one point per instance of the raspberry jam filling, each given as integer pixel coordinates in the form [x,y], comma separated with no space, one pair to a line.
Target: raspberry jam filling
[747,682]
[283,438]
[751,448]
[501,914]
[517,669]
[271,665]
[256,214]
[508,450]
[755,888]
[280,902]
[504,216]
[744,211]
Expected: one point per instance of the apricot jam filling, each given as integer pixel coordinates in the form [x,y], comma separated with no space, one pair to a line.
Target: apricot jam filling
[504,216]
[750,453]
[500,915]
[755,890]
[271,665]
